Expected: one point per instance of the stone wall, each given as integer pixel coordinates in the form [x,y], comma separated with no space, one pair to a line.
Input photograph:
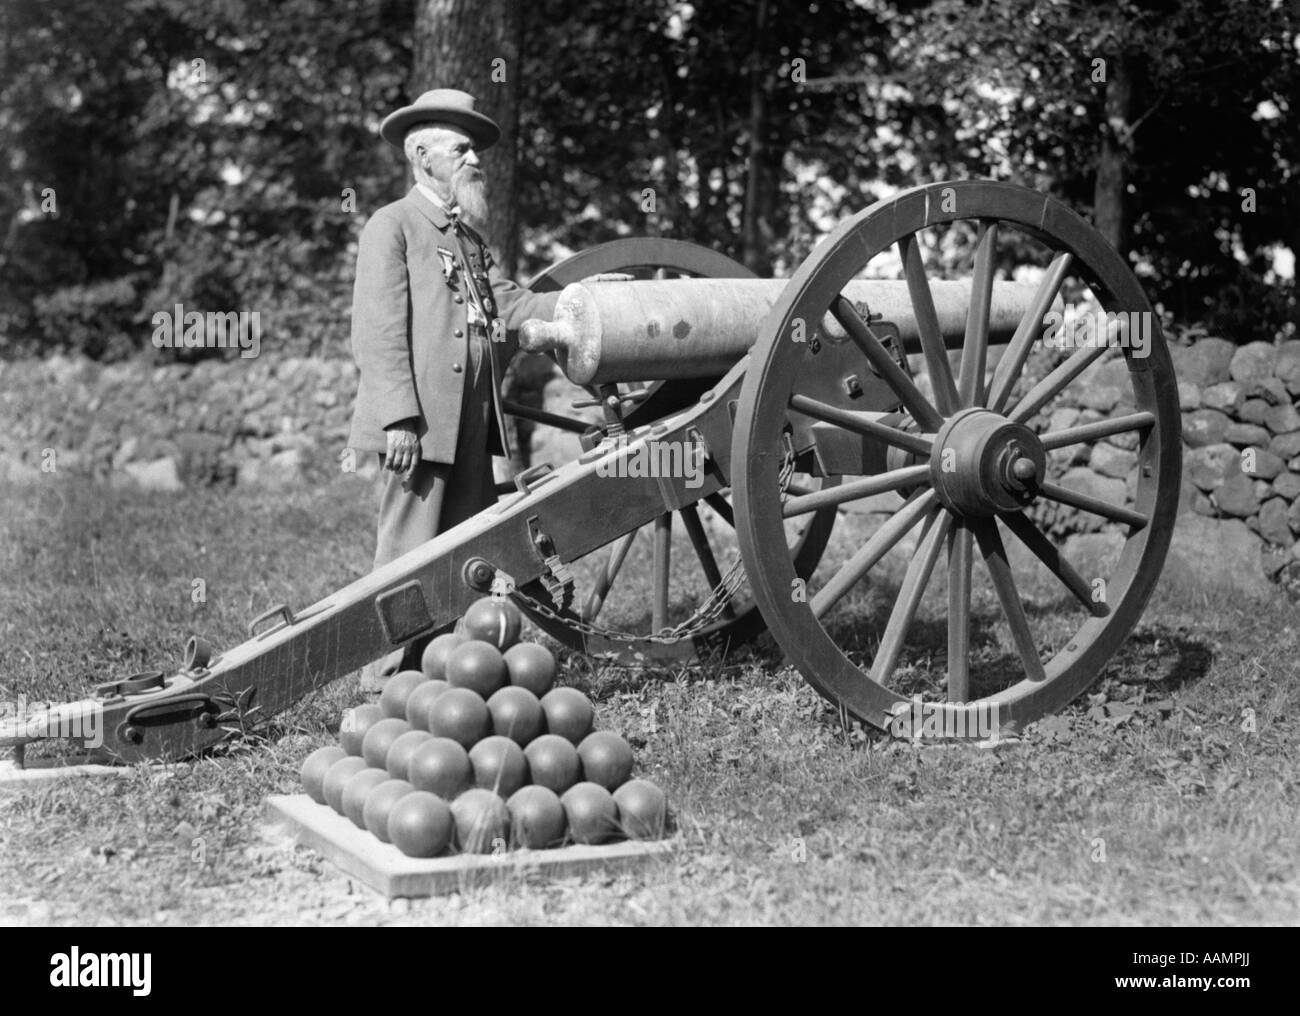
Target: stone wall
[1241,448]
[216,422]
[250,421]
[1242,436]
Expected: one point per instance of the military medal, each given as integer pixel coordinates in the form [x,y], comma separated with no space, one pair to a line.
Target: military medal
[448,259]
[482,310]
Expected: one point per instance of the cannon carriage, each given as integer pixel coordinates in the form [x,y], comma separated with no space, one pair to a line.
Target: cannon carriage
[795,400]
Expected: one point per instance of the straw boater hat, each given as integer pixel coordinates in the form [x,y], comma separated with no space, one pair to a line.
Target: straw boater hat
[441,106]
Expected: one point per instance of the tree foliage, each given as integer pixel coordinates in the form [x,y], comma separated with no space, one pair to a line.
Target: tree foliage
[224,155]
[202,153]
[1207,132]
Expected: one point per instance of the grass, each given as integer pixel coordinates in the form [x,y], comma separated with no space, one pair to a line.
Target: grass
[1144,803]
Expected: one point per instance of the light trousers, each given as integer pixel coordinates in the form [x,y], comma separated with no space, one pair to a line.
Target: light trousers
[438,495]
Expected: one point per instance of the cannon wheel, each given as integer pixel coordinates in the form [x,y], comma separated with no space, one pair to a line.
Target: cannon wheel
[963,504]
[674,257]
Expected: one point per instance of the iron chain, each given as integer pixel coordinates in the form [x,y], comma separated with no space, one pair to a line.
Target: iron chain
[705,614]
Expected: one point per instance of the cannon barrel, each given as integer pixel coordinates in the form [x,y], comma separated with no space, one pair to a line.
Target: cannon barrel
[683,328]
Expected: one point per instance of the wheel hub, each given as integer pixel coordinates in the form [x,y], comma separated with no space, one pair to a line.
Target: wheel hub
[984,463]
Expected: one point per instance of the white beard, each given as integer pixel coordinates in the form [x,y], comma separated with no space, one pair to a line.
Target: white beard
[469,191]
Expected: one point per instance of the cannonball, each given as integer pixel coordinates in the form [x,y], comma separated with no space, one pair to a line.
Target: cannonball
[355,792]
[476,666]
[434,660]
[493,620]
[537,819]
[315,767]
[420,824]
[568,713]
[516,714]
[531,666]
[379,738]
[462,715]
[499,765]
[356,722]
[591,812]
[336,778]
[397,690]
[482,821]
[553,762]
[379,802]
[606,759]
[642,810]
[441,766]
[401,750]
[419,701]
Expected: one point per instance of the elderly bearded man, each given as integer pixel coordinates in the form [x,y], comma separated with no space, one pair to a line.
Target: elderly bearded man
[433,325]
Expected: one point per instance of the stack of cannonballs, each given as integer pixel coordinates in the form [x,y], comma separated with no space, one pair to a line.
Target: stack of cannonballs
[478,752]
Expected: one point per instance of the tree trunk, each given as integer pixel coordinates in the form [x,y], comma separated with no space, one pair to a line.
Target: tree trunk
[755,230]
[474,45]
[1110,204]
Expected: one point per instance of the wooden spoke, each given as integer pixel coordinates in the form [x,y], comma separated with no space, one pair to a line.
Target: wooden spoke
[865,339]
[1047,552]
[927,324]
[896,479]
[975,348]
[959,569]
[795,487]
[617,555]
[861,423]
[1027,333]
[695,530]
[1048,388]
[1093,505]
[919,570]
[722,506]
[1096,431]
[662,559]
[879,544]
[1004,584]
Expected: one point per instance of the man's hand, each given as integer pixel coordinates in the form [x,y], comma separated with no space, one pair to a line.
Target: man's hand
[403,448]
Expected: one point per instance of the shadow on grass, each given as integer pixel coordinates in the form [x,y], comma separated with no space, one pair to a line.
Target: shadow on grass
[1158,655]
[1162,658]
[600,677]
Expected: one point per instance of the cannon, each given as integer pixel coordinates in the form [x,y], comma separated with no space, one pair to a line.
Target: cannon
[784,404]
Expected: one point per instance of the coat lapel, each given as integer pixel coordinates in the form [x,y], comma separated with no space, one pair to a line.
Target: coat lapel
[428,209]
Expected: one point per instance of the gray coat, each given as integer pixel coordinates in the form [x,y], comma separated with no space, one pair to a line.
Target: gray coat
[410,331]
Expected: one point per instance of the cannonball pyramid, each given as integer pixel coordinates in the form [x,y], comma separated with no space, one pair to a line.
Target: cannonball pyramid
[478,752]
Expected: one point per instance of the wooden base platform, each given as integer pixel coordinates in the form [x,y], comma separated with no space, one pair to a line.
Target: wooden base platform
[386,869]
